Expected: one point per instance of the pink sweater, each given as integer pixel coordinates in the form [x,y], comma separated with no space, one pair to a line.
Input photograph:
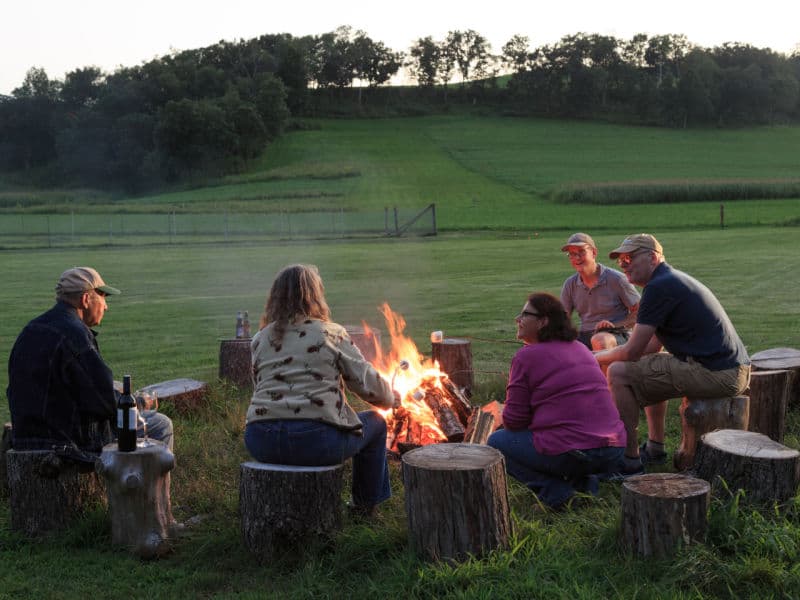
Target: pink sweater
[557,390]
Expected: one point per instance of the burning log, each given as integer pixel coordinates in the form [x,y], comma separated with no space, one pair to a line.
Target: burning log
[480,426]
[458,401]
[446,418]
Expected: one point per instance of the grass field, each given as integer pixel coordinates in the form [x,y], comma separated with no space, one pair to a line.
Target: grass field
[178,301]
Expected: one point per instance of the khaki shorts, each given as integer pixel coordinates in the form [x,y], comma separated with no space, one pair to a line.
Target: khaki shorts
[658,377]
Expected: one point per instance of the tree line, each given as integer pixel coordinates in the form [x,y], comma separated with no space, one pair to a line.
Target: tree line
[210,110]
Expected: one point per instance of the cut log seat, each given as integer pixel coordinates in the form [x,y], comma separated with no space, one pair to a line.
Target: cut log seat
[701,415]
[184,394]
[766,470]
[780,358]
[235,362]
[769,401]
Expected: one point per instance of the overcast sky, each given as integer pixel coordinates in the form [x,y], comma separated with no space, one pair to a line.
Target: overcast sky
[61,36]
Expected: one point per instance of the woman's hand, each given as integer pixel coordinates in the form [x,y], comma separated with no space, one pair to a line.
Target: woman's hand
[398,400]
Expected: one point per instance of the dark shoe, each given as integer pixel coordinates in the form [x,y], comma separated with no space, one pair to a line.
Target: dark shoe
[362,511]
[621,475]
[650,458]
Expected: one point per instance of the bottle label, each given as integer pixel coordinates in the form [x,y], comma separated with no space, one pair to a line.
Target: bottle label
[132,418]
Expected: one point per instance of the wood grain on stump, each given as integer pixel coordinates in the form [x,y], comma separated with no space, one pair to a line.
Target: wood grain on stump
[769,401]
[701,415]
[236,362]
[661,511]
[455,358]
[184,394]
[138,485]
[282,506]
[46,492]
[766,470]
[456,500]
[780,358]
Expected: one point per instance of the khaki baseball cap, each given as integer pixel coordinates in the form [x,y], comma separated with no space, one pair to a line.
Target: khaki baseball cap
[83,279]
[637,241]
[579,239]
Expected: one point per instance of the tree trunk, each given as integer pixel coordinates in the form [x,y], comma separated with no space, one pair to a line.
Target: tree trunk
[235,362]
[46,492]
[139,497]
[284,506]
[769,400]
[185,395]
[766,470]
[780,358]
[660,511]
[701,415]
[455,359]
[368,340]
[456,500]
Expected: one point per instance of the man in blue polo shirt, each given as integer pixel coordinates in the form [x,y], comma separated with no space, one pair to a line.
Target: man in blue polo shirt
[705,357]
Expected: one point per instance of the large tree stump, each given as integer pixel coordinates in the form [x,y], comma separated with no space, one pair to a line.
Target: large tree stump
[701,415]
[139,497]
[661,511]
[285,505]
[456,500]
[184,394]
[367,340]
[236,362]
[5,446]
[766,470]
[769,400]
[47,493]
[780,358]
[455,359]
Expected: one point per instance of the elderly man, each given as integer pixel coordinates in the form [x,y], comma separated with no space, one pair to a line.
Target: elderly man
[705,356]
[60,391]
[605,301]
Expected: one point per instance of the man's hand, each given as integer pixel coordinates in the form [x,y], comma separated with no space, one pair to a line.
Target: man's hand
[604,324]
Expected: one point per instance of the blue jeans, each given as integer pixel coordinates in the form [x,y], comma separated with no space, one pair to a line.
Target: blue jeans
[159,427]
[553,478]
[315,444]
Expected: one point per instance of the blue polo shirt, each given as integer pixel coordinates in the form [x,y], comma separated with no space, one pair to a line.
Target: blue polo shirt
[690,321]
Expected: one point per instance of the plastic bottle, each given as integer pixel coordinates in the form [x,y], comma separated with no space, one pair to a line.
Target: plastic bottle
[126,418]
[246,325]
[239,325]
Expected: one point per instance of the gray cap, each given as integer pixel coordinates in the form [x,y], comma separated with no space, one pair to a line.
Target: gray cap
[83,279]
[579,239]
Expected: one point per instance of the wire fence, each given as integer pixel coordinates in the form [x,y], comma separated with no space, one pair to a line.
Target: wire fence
[27,230]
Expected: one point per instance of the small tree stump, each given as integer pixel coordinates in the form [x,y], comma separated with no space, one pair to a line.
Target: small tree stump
[368,341]
[139,497]
[456,500]
[661,511]
[780,358]
[47,493]
[184,394]
[766,470]
[5,446]
[285,505]
[236,362]
[769,400]
[701,415]
[455,359]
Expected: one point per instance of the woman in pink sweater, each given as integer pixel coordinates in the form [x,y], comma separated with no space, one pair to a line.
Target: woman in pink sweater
[560,425]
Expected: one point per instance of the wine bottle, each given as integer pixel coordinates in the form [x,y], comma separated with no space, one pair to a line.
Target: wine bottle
[239,325]
[246,325]
[126,418]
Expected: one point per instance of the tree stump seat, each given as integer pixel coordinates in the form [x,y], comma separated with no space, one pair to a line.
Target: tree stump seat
[766,470]
[5,446]
[282,506]
[47,493]
[184,394]
[236,362]
[661,511]
[456,500]
[769,393]
[138,486]
[701,415]
[454,356]
[777,359]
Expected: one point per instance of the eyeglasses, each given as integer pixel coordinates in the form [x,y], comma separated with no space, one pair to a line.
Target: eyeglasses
[527,313]
[577,253]
[626,259]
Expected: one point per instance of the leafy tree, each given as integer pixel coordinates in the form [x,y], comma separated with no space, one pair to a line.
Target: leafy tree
[81,87]
[516,54]
[37,85]
[469,51]
[424,61]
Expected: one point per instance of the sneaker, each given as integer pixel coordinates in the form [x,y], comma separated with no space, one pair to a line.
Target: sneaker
[649,458]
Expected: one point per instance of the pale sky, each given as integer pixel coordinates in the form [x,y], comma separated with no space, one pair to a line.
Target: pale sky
[61,36]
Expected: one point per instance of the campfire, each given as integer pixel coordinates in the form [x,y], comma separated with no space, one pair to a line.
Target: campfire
[433,409]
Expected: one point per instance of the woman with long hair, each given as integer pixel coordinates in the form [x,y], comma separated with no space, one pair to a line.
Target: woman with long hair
[299,413]
[560,425]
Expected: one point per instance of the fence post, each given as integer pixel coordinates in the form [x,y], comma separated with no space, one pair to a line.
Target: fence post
[722,216]
[396,225]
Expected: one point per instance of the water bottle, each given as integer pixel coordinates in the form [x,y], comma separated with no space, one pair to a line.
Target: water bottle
[246,325]
[239,325]
[126,418]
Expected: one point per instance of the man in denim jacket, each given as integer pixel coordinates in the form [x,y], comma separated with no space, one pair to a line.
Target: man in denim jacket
[60,391]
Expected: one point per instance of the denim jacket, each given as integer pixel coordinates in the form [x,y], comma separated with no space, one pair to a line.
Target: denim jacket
[60,391]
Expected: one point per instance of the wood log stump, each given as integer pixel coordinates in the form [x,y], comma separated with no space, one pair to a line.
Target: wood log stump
[769,401]
[780,358]
[701,415]
[5,446]
[139,497]
[282,506]
[367,340]
[661,511]
[236,362]
[184,394]
[47,493]
[455,358]
[766,470]
[456,500]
